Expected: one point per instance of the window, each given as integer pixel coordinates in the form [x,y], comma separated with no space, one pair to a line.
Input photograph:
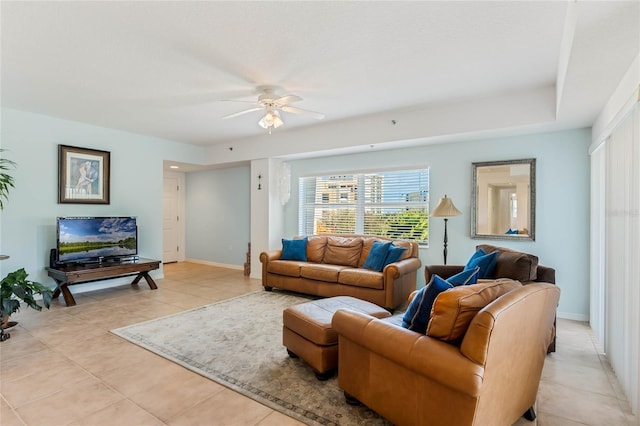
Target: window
[393,204]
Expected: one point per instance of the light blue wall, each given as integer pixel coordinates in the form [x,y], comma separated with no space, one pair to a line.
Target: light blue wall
[562,208]
[29,217]
[218,201]
[218,215]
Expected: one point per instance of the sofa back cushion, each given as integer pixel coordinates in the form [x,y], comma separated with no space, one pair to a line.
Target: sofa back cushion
[409,249]
[454,309]
[367,243]
[513,264]
[315,248]
[343,251]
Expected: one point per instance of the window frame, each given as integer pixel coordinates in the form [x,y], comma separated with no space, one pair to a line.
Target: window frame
[308,211]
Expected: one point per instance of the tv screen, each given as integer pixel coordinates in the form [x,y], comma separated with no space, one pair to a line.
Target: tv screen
[87,239]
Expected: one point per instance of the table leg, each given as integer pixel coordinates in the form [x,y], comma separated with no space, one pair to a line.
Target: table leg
[66,293]
[68,297]
[147,277]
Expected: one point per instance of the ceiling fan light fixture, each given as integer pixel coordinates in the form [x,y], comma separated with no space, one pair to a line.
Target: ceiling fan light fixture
[270,120]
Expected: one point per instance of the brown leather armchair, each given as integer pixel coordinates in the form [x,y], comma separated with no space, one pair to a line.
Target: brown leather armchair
[491,378]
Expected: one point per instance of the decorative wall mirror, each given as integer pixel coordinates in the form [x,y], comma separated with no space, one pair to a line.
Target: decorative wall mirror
[503,200]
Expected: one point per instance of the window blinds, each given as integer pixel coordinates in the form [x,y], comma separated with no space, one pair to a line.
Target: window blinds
[393,204]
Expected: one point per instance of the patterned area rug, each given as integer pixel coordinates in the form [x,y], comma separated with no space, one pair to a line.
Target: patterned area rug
[238,343]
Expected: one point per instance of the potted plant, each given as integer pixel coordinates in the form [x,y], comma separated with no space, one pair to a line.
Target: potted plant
[16,288]
[6,180]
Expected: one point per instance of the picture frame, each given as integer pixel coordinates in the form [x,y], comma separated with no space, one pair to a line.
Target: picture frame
[83,175]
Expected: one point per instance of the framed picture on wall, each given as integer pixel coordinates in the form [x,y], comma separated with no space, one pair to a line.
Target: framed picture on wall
[83,175]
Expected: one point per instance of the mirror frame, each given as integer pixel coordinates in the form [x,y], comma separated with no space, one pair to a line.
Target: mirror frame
[532,200]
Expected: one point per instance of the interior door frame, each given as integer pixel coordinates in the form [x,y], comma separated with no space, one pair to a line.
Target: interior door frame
[181,211]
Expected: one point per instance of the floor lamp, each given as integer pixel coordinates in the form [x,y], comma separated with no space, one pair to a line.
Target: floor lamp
[446,209]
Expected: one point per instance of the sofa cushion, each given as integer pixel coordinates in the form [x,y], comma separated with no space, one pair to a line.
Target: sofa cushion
[315,248]
[377,255]
[418,313]
[321,272]
[367,243]
[294,249]
[486,262]
[409,249]
[513,264]
[343,251]
[359,277]
[453,310]
[289,268]
[466,277]
[394,254]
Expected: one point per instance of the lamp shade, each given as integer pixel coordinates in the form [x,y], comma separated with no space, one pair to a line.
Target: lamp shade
[445,208]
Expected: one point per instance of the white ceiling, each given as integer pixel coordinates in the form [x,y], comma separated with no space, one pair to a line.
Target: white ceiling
[161,68]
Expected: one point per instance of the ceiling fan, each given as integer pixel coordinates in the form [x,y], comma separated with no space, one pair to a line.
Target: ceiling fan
[272,104]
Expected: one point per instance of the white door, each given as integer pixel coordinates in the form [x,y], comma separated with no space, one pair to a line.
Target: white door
[170,221]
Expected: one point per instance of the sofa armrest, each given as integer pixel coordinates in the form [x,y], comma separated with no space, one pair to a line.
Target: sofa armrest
[267,256]
[546,274]
[402,267]
[443,271]
[436,360]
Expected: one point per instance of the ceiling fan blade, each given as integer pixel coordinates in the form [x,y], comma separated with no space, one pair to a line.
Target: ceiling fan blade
[294,110]
[246,111]
[238,100]
[287,99]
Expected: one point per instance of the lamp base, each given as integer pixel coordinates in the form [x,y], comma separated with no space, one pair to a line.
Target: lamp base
[445,241]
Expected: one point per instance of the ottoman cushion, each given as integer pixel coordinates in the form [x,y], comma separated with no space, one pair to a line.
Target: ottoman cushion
[312,320]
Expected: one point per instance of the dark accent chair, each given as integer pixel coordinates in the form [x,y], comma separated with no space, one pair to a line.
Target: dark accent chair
[512,264]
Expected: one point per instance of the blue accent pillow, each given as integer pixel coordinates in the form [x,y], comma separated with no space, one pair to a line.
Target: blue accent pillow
[487,264]
[377,256]
[394,254]
[466,277]
[294,249]
[473,257]
[419,311]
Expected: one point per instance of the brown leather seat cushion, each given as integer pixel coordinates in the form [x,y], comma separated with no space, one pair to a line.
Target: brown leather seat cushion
[361,278]
[289,268]
[312,320]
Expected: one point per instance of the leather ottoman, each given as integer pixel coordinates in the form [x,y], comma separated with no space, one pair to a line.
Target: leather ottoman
[307,331]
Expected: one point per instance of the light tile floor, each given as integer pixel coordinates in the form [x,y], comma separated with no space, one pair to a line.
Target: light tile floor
[63,367]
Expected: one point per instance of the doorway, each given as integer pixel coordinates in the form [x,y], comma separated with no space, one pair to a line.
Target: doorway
[172,223]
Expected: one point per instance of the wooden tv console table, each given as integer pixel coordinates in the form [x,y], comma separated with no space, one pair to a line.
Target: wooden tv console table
[77,274]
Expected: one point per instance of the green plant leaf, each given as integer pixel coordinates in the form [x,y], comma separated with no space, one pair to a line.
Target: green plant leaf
[6,180]
[15,287]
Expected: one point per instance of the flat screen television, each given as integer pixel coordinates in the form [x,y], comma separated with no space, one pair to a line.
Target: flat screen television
[96,239]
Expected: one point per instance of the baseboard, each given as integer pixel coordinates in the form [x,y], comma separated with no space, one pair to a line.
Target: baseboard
[573,317]
[221,265]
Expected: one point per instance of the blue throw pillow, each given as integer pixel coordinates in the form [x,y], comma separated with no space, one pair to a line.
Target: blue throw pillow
[473,257]
[487,264]
[466,277]
[294,249]
[394,254]
[377,256]
[419,311]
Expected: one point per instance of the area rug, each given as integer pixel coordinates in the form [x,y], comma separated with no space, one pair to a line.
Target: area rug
[238,343]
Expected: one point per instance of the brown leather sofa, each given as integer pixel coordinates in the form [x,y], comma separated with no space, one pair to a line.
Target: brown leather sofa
[334,268]
[490,378]
[513,264]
